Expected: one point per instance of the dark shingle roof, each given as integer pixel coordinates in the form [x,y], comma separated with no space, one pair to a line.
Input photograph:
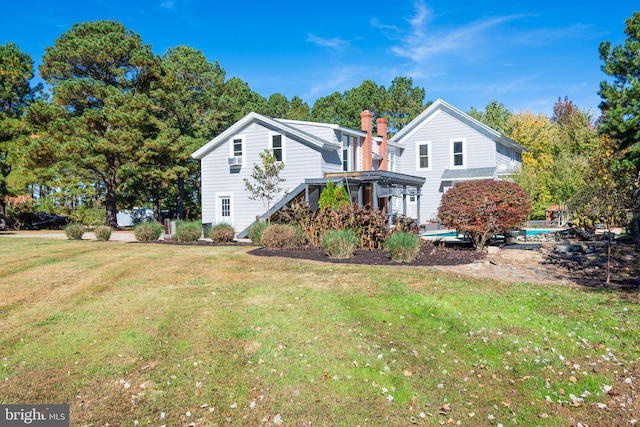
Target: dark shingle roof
[468,174]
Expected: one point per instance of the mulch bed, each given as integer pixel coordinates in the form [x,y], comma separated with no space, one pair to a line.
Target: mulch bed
[428,256]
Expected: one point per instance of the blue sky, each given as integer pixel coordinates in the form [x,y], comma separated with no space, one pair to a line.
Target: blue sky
[525,54]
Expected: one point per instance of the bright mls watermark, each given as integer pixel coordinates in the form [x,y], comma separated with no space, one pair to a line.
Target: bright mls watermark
[34,415]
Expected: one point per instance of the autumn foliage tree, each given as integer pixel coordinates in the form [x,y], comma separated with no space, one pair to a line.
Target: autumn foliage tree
[481,209]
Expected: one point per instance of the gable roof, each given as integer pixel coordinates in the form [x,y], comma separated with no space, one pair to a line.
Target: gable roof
[335,127]
[322,124]
[283,127]
[440,105]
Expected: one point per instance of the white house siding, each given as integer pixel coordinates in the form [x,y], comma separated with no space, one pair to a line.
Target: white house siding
[440,130]
[331,163]
[507,159]
[335,134]
[301,161]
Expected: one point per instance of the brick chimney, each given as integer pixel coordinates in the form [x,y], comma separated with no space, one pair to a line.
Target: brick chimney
[381,122]
[367,148]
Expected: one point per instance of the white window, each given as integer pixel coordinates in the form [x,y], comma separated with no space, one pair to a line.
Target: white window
[357,147]
[458,153]
[237,149]
[224,208]
[276,145]
[391,160]
[423,155]
[346,153]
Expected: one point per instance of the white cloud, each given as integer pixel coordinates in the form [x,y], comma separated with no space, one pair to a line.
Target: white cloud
[167,4]
[334,43]
[421,43]
[544,36]
[376,24]
[336,80]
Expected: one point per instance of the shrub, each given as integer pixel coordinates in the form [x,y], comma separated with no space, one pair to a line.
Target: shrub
[483,208]
[74,231]
[147,231]
[221,233]
[279,236]
[188,231]
[20,211]
[340,243]
[91,214]
[333,197]
[103,233]
[255,231]
[403,247]
[405,224]
[369,225]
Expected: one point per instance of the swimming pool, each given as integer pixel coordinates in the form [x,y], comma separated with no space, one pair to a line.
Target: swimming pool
[529,232]
[537,231]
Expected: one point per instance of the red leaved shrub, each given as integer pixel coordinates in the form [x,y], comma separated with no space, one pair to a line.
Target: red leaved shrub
[484,208]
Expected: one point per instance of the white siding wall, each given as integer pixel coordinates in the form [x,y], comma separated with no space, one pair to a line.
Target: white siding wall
[301,161]
[507,159]
[440,130]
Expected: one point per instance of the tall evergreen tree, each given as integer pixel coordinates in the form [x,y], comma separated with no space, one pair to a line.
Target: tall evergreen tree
[100,74]
[16,93]
[187,95]
[239,100]
[328,109]
[404,102]
[298,109]
[621,97]
[400,104]
[277,106]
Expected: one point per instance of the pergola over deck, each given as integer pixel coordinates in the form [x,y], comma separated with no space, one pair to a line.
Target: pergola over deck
[375,188]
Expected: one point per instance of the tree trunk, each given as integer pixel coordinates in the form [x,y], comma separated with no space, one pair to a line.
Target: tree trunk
[608,255]
[180,201]
[110,203]
[3,215]
[157,214]
[110,180]
[268,216]
[635,225]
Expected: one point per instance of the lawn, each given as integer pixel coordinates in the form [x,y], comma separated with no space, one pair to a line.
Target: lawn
[130,333]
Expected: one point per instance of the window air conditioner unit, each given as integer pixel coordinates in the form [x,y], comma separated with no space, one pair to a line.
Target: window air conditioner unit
[235,161]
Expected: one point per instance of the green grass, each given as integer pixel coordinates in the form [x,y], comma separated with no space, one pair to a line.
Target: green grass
[125,332]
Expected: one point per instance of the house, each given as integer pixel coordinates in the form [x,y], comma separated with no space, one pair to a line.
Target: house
[445,146]
[407,174]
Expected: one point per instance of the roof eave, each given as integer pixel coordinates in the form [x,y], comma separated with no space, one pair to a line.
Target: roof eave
[284,127]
